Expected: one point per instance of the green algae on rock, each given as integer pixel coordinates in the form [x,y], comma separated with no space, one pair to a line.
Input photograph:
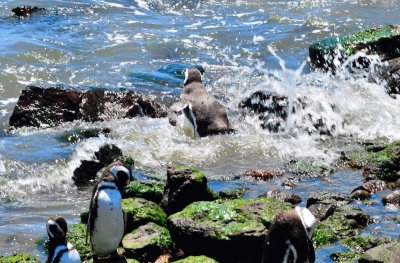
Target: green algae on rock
[184,186]
[362,243]
[151,190]
[19,258]
[77,237]
[345,222]
[222,228]
[232,194]
[386,253]
[147,242]
[141,211]
[345,257]
[383,41]
[196,259]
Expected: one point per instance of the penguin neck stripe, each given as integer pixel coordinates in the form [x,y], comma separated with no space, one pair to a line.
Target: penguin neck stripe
[53,223]
[186,76]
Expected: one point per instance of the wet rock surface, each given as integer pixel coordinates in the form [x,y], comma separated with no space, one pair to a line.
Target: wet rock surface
[383,41]
[184,186]
[262,174]
[386,253]
[43,107]
[147,242]
[88,169]
[392,198]
[222,228]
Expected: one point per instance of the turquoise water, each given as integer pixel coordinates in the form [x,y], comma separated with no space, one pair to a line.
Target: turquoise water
[244,46]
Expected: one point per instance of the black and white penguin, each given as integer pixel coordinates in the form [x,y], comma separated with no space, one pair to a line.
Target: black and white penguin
[60,251]
[206,114]
[106,223]
[289,238]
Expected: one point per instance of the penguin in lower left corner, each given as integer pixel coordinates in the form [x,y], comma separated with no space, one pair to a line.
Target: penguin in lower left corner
[289,238]
[60,251]
[106,222]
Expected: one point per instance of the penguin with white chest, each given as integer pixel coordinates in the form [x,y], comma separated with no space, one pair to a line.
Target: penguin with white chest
[60,251]
[206,114]
[289,238]
[106,222]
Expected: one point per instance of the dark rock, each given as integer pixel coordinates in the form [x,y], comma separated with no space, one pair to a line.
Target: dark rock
[360,194]
[150,190]
[147,242]
[389,72]
[26,10]
[222,229]
[80,134]
[387,253]
[374,186]
[322,211]
[232,194]
[84,217]
[392,198]
[87,171]
[383,41]
[184,186]
[140,211]
[51,106]
[290,182]
[263,174]
[328,199]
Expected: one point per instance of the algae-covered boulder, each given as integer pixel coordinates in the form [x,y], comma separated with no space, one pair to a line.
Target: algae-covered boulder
[196,259]
[362,243]
[232,193]
[222,228]
[387,253]
[184,186]
[379,162]
[345,257]
[147,242]
[18,258]
[141,211]
[345,222]
[383,41]
[77,237]
[323,204]
[151,190]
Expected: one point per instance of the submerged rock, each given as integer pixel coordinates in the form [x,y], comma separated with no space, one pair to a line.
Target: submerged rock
[140,211]
[332,51]
[25,11]
[39,107]
[223,228]
[184,186]
[147,242]
[18,258]
[77,135]
[151,190]
[263,174]
[387,253]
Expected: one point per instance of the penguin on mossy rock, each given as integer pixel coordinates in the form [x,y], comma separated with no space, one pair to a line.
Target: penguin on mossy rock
[60,251]
[289,237]
[107,221]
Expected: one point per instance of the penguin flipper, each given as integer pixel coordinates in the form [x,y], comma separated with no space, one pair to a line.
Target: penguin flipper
[174,109]
[90,224]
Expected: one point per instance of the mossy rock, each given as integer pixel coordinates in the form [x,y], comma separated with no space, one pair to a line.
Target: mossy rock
[196,259]
[362,243]
[345,222]
[184,186]
[386,253]
[147,242]
[77,237]
[309,167]
[383,41]
[141,211]
[18,258]
[381,162]
[151,191]
[232,194]
[345,257]
[222,228]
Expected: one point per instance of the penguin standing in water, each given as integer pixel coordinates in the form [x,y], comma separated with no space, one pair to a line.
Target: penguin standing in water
[60,251]
[106,223]
[289,238]
[206,114]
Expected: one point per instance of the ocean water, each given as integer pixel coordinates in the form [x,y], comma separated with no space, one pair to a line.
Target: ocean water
[244,46]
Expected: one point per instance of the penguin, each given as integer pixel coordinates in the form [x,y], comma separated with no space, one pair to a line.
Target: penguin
[206,114]
[60,251]
[289,238]
[106,222]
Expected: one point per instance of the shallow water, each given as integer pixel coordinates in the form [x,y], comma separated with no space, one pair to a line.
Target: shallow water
[244,46]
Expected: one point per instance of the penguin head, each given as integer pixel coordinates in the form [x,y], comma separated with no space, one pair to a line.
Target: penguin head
[192,75]
[118,173]
[56,227]
[308,220]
